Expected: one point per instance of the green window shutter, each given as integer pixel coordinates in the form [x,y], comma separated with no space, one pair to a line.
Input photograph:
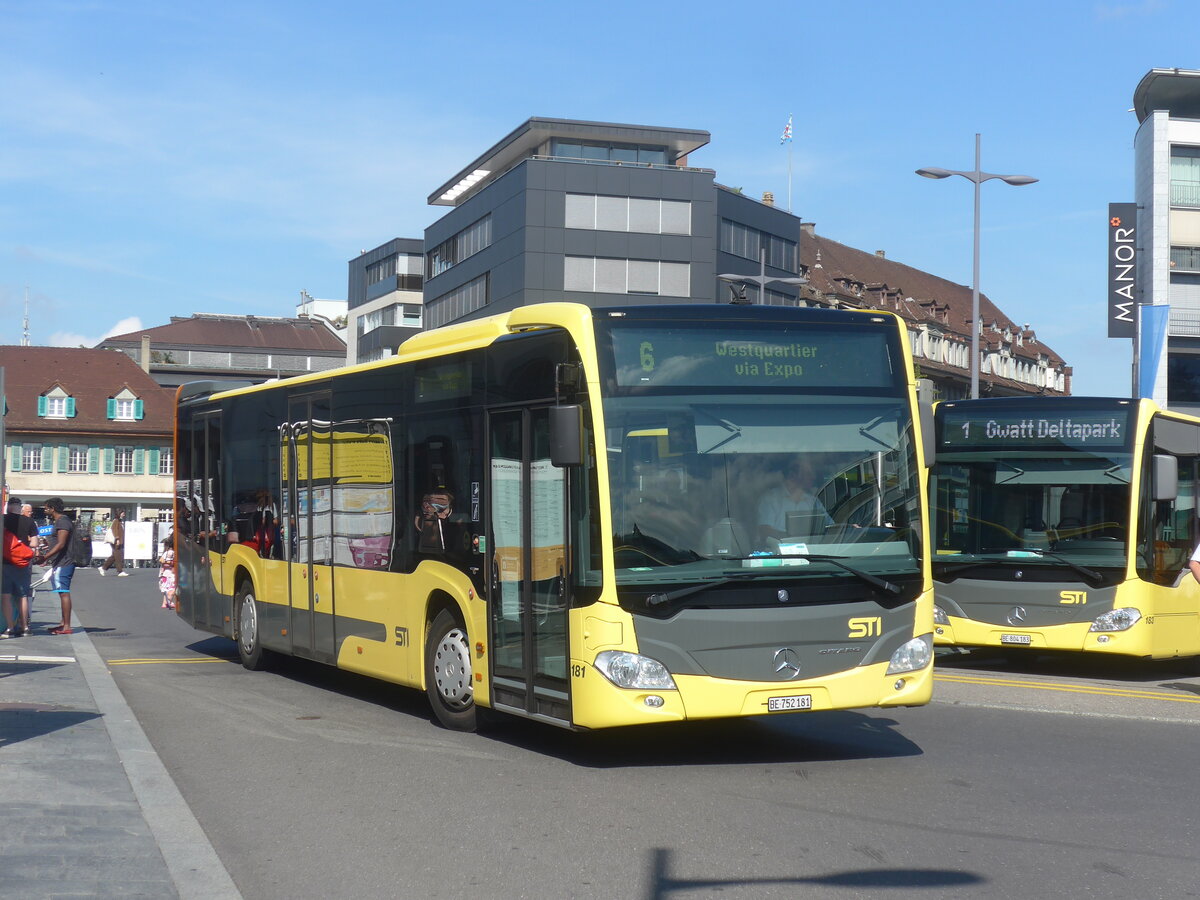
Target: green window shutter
[112,408]
[153,462]
[70,407]
[64,458]
[93,460]
[16,458]
[47,458]
[139,461]
[138,411]
[110,459]
[42,405]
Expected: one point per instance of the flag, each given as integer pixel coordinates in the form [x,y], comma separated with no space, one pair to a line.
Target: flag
[787,132]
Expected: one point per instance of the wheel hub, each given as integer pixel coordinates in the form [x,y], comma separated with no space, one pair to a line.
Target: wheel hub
[452,669]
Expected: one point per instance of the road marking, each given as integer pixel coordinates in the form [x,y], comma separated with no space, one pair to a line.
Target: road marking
[149,662]
[1068,689]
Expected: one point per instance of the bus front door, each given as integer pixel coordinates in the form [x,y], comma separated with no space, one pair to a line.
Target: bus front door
[310,485]
[528,584]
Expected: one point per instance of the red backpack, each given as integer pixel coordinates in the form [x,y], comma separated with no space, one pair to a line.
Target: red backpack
[16,551]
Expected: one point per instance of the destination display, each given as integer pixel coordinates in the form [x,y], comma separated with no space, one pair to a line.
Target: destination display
[772,355]
[1082,429]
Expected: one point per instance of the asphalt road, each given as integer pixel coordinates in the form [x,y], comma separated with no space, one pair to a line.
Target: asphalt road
[1030,779]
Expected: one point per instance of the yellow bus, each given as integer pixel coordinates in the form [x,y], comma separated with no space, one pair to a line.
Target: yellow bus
[1066,524]
[591,518]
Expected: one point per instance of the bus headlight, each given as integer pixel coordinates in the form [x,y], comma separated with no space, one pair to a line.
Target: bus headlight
[1118,620]
[939,616]
[913,655]
[631,670]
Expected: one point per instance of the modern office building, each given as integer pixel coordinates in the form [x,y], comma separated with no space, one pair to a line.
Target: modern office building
[384,299]
[1167,191]
[608,214]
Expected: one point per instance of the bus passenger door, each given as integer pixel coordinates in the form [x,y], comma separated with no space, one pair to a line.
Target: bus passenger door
[310,502]
[200,527]
[528,587]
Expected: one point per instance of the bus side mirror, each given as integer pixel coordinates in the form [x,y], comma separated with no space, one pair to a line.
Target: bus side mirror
[1164,477]
[566,436]
[925,416]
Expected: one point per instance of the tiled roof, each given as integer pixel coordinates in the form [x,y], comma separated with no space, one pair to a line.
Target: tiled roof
[239,333]
[873,280]
[89,376]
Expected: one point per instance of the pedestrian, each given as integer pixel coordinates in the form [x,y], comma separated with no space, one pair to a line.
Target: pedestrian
[58,557]
[166,572]
[116,538]
[18,570]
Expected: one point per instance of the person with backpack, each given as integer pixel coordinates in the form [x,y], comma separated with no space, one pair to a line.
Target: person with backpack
[20,541]
[61,561]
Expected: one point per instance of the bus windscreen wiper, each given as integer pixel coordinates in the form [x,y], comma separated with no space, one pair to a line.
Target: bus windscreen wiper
[873,580]
[1090,574]
[660,598]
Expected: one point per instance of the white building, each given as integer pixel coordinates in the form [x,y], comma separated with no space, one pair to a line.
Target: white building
[1167,191]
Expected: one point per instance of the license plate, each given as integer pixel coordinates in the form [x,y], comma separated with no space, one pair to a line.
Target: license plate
[1016,639]
[784,704]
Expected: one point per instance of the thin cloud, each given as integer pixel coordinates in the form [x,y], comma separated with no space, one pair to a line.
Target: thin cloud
[71,339]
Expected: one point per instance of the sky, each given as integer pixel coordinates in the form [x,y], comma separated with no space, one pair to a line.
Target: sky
[164,159]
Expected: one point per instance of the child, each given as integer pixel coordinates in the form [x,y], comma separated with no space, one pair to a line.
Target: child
[166,572]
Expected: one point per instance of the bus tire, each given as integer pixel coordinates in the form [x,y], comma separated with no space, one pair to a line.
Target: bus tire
[249,643]
[448,673]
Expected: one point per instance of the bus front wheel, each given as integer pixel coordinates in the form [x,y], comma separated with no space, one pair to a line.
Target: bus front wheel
[249,643]
[448,673]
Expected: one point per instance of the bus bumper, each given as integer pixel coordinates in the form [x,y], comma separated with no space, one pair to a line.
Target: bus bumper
[1075,637]
[598,703]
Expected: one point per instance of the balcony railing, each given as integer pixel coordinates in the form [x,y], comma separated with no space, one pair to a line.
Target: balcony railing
[1185,193]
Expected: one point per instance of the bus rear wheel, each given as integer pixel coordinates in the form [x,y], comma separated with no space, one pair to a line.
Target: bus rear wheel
[448,675]
[249,643]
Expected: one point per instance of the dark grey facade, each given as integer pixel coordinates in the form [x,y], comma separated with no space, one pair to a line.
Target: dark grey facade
[595,213]
[384,305]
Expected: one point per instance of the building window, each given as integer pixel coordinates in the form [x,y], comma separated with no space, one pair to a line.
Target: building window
[455,304]
[749,243]
[166,461]
[626,276]
[1185,259]
[77,460]
[124,409]
[31,458]
[56,405]
[123,460]
[633,214]
[378,271]
[636,154]
[1185,176]
[127,408]
[466,243]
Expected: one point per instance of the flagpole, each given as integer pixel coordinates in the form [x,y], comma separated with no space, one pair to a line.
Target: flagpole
[789,176]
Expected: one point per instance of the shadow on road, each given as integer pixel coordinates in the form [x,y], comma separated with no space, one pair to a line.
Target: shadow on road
[664,885]
[792,737]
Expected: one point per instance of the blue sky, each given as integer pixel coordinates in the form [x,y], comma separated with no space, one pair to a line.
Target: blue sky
[162,159]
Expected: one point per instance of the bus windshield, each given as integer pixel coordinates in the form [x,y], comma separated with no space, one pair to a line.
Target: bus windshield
[1050,487]
[712,485]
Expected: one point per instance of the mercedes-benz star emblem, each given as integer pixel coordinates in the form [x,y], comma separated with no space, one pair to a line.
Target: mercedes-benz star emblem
[1016,615]
[787,663]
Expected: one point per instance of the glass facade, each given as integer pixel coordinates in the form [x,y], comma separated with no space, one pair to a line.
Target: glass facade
[749,243]
[610,152]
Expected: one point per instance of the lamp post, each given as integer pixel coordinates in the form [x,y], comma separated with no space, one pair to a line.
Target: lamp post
[760,279]
[977,178]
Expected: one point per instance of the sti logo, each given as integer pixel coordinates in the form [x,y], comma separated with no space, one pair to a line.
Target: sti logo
[1072,598]
[865,626]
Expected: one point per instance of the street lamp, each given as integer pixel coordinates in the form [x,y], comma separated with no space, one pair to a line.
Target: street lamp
[978,178]
[760,279]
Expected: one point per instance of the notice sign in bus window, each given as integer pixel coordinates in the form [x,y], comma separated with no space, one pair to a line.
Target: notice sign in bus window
[1080,429]
[771,355]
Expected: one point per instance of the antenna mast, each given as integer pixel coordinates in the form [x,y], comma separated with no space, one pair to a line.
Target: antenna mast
[25,331]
